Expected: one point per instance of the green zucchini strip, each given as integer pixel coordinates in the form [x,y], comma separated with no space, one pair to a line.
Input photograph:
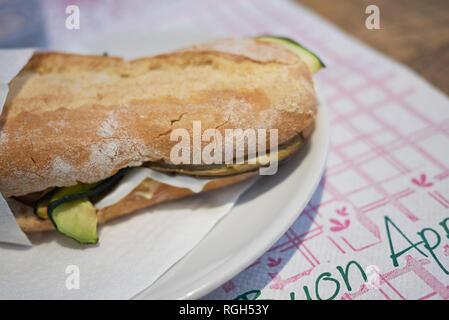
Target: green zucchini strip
[41,205]
[97,187]
[311,59]
[70,210]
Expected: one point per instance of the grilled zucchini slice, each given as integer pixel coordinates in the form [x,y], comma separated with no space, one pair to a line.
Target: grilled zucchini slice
[311,59]
[76,220]
[71,211]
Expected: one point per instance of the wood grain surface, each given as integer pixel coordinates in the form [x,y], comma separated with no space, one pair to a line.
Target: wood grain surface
[413,32]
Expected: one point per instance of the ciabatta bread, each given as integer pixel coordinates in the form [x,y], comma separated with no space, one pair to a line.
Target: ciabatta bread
[75,118]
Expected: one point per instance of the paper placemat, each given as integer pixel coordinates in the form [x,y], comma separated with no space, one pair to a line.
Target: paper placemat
[386,185]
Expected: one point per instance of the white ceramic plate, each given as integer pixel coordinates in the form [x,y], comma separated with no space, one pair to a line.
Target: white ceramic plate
[262,214]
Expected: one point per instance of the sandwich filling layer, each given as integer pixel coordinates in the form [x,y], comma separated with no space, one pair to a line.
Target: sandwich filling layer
[284,151]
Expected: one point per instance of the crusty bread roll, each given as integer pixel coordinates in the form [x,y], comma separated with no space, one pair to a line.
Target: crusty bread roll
[76,118]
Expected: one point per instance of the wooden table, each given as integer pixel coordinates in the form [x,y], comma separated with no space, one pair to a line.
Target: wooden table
[413,32]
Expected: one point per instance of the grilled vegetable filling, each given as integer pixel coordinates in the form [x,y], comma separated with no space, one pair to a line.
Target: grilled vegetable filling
[312,60]
[226,170]
[71,211]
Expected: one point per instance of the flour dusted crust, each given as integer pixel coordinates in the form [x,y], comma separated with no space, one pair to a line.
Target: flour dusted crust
[148,193]
[74,118]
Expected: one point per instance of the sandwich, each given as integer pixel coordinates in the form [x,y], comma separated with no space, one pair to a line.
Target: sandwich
[85,139]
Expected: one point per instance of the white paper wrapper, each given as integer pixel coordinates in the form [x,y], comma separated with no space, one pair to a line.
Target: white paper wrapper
[11,62]
[133,251]
[10,231]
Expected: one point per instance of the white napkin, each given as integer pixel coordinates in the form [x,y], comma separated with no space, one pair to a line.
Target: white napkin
[133,251]
[10,231]
[11,62]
